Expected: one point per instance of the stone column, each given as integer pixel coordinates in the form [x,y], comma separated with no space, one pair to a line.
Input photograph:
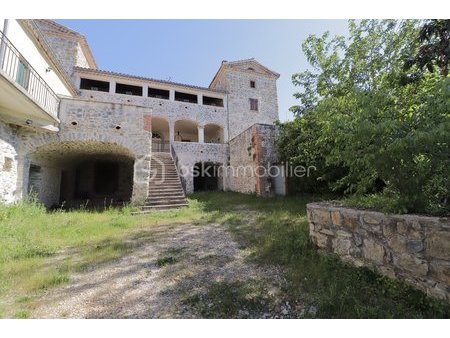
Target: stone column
[199,98]
[141,179]
[171,132]
[201,134]
[112,87]
[145,91]
[172,94]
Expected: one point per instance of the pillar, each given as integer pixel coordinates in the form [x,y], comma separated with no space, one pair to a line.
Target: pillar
[171,132]
[112,87]
[172,94]
[201,134]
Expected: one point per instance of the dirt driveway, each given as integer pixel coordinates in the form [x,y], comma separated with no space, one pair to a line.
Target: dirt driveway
[183,271]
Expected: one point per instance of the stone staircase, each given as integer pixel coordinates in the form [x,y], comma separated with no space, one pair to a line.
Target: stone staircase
[165,188]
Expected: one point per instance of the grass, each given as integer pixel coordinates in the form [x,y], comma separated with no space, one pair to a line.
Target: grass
[276,231]
[40,250]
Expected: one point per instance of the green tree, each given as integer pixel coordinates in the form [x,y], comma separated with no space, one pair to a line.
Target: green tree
[372,126]
[435,49]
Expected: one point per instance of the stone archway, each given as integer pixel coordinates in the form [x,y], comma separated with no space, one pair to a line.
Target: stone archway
[77,173]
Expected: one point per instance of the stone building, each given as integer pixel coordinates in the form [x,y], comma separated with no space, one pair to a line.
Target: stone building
[72,133]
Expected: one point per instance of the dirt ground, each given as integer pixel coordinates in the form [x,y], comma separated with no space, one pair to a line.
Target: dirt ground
[183,271]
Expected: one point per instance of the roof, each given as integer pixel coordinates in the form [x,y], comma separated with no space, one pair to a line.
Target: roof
[253,61]
[134,77]
[53,28]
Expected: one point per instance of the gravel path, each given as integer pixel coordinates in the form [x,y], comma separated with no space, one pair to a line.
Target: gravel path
[158,277]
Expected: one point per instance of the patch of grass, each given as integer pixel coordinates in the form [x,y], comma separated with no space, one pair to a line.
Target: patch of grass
[166,261]
[170,256]
[229,300]
[22,314]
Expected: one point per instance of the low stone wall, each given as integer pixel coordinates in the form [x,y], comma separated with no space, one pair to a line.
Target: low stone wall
[409,247]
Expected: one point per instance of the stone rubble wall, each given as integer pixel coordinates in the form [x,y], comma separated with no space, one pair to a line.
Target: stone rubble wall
[251,154]
[8,163]
[96,124]
[413,248]
[171,111]
[237,83]
[189,154]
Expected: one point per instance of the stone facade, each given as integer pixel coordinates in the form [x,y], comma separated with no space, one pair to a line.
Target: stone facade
[8,162]
[409,247]
[98,126]
[252,153]
[235,78]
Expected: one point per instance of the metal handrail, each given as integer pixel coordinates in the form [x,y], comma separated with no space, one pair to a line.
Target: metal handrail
[19,71]
[159,146]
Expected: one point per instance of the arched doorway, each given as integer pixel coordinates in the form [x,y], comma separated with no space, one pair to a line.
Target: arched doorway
[160,135]
[81,173]
[186,131]
[214,133]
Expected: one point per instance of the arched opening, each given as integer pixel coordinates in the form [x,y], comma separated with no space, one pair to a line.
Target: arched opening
[214,133]
[160,135]
[186,131]
[208,176]
[81,173]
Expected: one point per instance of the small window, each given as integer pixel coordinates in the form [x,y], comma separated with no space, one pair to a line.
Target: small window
[23,74]
[185,97]
[254,104]
[212,101]
[101,86]
[158,93]
[126,89]
[252,84]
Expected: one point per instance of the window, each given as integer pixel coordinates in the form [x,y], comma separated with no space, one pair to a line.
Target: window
[254,104]
[212,101]
[126,89]
[23,74]
[185,97]
[158,93]
[101,86]
[252,84]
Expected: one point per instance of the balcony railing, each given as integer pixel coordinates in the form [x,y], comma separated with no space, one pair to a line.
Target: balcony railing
[19,71]
[159,146]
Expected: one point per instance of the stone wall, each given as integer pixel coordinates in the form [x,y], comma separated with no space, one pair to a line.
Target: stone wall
[236,81]
[189,154]
[409,247]
[251,155]
[90,128]
[8,163]
[171,111]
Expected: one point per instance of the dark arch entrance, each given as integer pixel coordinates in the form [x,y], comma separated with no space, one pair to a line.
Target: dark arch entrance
[81,173]
[207,176]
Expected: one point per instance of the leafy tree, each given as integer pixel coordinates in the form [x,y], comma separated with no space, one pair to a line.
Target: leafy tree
[365,127]
[435,49]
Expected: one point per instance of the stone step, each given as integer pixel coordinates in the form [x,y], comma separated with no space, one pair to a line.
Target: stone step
[146,207]
[155,190]
[162,185]
[166,201]
[153,208]
[167,196]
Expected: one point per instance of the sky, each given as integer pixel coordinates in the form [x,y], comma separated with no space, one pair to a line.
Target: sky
[190,51]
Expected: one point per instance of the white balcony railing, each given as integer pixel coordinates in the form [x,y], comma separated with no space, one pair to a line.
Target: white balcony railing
[19,71]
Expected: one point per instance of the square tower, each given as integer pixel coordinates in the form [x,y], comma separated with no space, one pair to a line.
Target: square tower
[252,94]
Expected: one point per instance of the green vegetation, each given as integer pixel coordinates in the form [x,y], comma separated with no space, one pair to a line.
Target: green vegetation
[276,231]
[40,250]
[369,124]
